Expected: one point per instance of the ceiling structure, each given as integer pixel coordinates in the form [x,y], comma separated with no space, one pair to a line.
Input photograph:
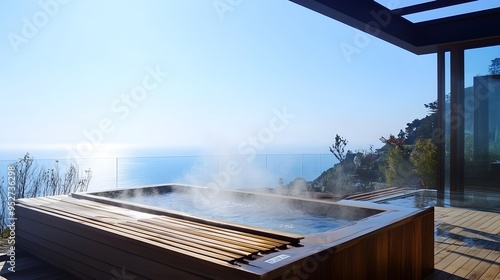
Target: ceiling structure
[419,26]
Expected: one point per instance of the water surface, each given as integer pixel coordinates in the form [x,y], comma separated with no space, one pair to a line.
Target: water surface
[269,213]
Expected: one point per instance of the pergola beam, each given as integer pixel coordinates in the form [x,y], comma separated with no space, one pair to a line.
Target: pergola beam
[367,16]
[424,7]
[419,38]
[458,29]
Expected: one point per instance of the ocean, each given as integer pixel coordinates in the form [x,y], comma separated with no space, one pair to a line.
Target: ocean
[225,171]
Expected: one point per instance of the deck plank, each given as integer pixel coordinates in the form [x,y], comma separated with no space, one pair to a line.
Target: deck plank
[226,233]
[482,264]
[197,239]
[202,237]
[466,244]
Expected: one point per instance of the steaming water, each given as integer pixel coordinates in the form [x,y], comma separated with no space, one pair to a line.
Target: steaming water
[264,214]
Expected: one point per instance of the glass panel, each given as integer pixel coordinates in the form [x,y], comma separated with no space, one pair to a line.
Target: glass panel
[447,109]
[482,117]
[391,4]
[454,10]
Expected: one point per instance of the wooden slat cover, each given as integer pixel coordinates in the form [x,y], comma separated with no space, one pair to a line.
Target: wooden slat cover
[200,240]
[292,238]
[378,194]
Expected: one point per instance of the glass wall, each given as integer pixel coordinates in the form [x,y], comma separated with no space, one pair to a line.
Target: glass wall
[482,118]
[446,119]
[469,94]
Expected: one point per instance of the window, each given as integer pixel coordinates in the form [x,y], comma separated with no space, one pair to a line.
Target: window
[482,117]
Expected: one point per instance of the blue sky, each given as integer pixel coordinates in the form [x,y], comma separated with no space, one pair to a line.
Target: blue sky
[91,76]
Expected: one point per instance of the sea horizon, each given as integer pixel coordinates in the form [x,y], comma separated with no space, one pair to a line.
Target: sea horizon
[150,166]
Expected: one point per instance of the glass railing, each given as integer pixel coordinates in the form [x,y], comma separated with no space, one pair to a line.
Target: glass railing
[232,171]
[223,171]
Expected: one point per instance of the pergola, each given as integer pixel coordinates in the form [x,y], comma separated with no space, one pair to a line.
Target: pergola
[407,26]
[448,28]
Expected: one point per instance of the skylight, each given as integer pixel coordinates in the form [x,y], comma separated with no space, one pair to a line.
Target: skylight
[459,9]
[394,5]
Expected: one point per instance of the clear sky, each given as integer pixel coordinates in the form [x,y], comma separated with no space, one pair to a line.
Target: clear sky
[88,76]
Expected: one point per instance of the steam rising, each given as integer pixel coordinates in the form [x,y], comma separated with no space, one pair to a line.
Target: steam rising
[230,172]
[252,209]
[236,189]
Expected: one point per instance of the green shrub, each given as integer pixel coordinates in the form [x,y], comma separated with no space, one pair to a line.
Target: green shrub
[398,170]
[424,159]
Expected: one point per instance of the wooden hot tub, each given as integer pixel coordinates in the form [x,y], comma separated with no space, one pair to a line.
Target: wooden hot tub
[97,236]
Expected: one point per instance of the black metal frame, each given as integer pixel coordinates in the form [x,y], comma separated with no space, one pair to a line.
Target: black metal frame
[457,123]
[456,133]
[419,38]
[441,134]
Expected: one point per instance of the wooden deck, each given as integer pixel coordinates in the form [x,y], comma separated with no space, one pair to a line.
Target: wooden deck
[466,245]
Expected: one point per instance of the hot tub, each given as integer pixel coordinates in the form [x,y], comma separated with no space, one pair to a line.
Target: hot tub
[105,234]
[415,199]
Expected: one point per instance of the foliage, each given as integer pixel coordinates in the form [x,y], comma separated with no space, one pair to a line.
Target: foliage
[424,128]
[398,170]
[368,164]
[343,181]
[407,160]
[358,172]
[393,141]
[338,148]
[494,67]
[33,181]
[424,159]
[413,152]
[420,128]
[339,179]
[433,106]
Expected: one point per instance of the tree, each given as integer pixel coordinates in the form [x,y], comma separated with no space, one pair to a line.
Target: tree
[393,141]
[368,164]
[424,128]
[398,170]
[424,158]
[402,134]
[494,67]
[433,107]
[338,148]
